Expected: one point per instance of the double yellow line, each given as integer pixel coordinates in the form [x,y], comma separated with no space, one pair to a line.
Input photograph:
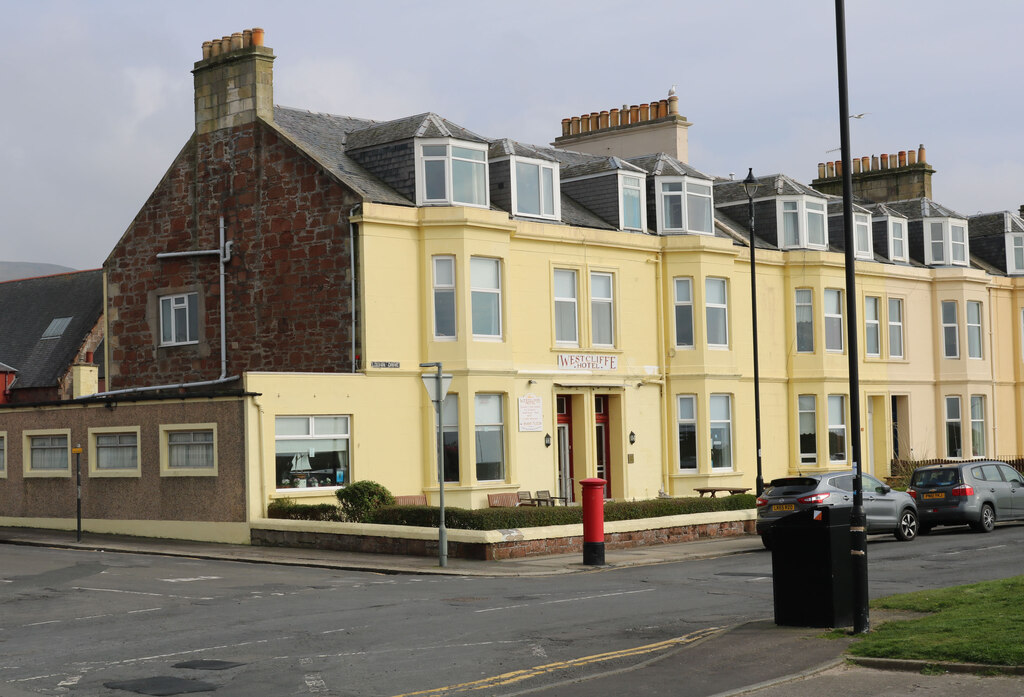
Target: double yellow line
[527,673]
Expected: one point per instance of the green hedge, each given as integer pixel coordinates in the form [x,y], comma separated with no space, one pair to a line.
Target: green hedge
[517,517]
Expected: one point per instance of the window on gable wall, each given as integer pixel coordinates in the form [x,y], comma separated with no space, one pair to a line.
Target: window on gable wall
[536,189]
[452,173]
[179,319]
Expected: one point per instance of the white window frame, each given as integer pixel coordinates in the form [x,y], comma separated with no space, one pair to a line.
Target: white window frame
[725,424]
[805,207]
[950,329]
[978,448]
[1015,253]
[95,468]
[721,309]
[441,290]
[834,319]
[27,437]
[687,190]
[837,424]
[944,244]
[807,404]
[683,301]
[901,238]
[489,427]
[550,201]
[629,181]
[166,470]
[689,422]
[872,326]
[312,434]
[975,337]
[172,304]
[565,301]
[449,176]
[450,424]
[602,304]
[863,248]
[476,290]
[953,421]
[895,327]
[803,298]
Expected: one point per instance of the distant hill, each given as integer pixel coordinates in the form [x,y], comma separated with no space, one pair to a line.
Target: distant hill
[13,270]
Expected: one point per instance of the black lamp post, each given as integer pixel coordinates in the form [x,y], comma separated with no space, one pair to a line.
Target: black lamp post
[750,187]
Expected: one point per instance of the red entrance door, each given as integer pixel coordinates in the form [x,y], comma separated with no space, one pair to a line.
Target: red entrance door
[603,450]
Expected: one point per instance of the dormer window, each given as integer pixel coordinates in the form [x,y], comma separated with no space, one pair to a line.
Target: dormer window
[1015,253]
[451,172]
[535,190]
[862,237]
[684,205]
[946,242]
[632,211]
[897,230]
[803,224]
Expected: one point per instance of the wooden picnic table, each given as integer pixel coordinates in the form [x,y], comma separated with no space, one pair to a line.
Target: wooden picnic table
[713,491]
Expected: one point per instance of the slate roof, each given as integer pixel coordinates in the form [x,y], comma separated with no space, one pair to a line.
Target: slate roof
[995,224]
[917,208]
[599,165]
[28,306]
[879,209]
[428,125]
[505,147]
[663,164]
[730,191]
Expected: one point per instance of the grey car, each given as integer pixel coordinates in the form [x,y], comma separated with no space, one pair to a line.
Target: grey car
[975,493]
[886,510]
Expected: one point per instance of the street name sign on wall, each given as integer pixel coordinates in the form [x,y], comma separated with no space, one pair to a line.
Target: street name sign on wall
[587,361]
[531,413]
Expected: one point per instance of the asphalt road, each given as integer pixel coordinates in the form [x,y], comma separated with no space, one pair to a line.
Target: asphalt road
[91,623]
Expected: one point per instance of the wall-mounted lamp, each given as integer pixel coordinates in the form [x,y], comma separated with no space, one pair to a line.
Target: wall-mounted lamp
[632,438]
[547,440]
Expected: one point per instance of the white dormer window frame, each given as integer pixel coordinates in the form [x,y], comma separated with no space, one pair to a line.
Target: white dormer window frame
[632,189]
[543,175]
[442,163]
[946,242]
[802,223]
[684,204]
[896,231]
[862,245]
[1015,253]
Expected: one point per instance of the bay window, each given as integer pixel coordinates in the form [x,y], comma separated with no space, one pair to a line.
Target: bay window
[716,306]
[808,428]
[485,295]
[974,349]
[804,320]
[452,173]
[687,430]
[833,320]
[954,437]
[684,312]
[950,330]
[490,438]
[684,205]
[444,297]
[720,408]
[836,428]
[946,242]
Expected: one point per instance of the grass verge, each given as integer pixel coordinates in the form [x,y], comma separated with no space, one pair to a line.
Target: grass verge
[978,623]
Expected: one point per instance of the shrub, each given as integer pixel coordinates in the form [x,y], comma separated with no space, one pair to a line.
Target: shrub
[360,499]
[287,509]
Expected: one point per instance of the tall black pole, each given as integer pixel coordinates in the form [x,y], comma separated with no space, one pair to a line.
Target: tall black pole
[759,483]
[858,522]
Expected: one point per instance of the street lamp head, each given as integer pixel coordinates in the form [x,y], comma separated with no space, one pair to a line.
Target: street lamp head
[750,183]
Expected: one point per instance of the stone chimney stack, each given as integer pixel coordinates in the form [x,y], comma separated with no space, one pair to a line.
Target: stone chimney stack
[888,177]
[234,82]
[633,130]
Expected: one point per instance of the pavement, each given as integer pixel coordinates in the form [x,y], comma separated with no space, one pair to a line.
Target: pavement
[755,658]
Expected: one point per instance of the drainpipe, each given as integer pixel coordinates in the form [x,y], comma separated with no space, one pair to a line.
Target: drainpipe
[224,256]
[665,396]
[994,452]
[356,209]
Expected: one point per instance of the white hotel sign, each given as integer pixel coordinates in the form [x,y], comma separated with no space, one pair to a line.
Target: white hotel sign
[584,361]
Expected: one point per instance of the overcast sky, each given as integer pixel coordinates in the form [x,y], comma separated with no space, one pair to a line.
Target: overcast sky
[97,96]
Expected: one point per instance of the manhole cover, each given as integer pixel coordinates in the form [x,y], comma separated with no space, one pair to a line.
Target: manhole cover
[162,685]
[207,664]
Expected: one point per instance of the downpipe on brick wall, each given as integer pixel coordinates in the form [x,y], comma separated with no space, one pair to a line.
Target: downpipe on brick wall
[224,256]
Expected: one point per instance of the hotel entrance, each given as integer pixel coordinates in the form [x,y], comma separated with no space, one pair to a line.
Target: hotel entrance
[589,437]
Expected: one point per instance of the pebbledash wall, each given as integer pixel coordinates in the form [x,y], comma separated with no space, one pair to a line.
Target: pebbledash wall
[149,499]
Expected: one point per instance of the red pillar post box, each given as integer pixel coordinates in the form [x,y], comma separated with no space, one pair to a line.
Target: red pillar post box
[593,521]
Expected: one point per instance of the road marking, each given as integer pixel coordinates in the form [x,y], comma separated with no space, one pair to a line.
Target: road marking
[566,600]
[537,671]
[155,595]
[69,681]
[150,609]
[189,580]
[332,631]
[36,624]
[315,683]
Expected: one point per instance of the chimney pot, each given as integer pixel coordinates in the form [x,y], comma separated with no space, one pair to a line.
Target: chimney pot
[911,157]
[874,162]
[865,163]
[585,123]
[673,105]
[634,113]
[603,119]
[655,109]
[225,44]
[856,165]
[645,112]
[613,117]
[236,41]
[821,170]
[839,168]
[207,50]
[830,169]
[246,38]
[215,48]
[663,108]
[885,160]
[257,36]
[566,126]
[920,154]
[902,158]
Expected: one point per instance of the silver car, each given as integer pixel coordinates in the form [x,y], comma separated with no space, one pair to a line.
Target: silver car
[886,510]
[976,493]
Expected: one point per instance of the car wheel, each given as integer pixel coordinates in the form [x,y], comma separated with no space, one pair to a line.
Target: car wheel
[987,521]
[906,530]
[924,529]
[766,541]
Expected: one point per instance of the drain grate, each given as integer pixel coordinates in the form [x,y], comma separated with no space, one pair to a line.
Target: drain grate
[162,686]
[207,664]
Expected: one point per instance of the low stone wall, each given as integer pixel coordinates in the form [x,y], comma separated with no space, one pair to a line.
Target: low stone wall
[497,544]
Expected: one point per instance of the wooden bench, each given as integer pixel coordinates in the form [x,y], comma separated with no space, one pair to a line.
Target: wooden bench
[411,500]
[504,500]
[544,498]
[713,491]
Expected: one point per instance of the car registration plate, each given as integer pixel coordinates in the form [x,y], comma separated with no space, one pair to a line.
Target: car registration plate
[784,507]
[939,495]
